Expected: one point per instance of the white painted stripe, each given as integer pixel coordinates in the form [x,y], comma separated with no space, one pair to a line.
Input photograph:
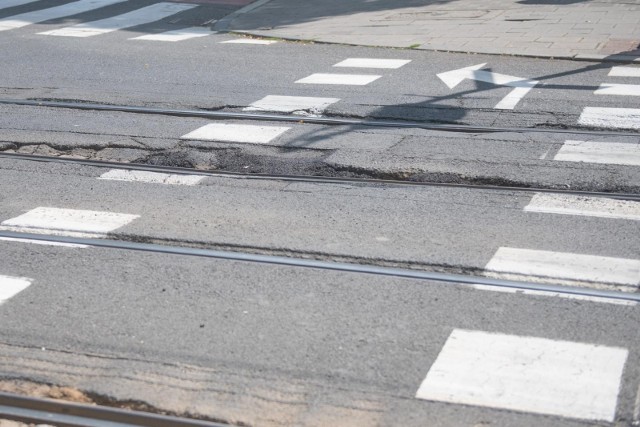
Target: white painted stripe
[177,35]
[616,153]
[529,374]
[67,222]
[510,101]
[565,266]
[236,133]
[584,206]
[151,177]
[145,15]
[618,89]
[249,41]
[292,104]
[554,294]
[6,4]
[42,242]
[28,18]
[339,79]
[625,72]
[373,63]
[10,286]
[618,118]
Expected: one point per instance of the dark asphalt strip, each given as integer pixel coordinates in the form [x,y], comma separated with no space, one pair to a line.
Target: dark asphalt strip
[306,178]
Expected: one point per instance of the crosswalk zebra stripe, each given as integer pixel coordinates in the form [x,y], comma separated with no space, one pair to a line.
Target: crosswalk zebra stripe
[625,72]
[67,222]
[618,89]
[567,204]
[615,118]
[10,286]
[529,374]
[28,18]
[539,265]
[141,16]
[615,153]
[177,35]
[6,4]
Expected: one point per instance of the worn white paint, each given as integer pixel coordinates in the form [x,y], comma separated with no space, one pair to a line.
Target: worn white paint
[565,266]
[616,118]
[5,4]
[625,72]
[177,35]
[521,85]
[151,177]
[534,292]
[373,63]
[141,16]
[68,9]
[529,374]
[42,242]
[251,134]
[567,204]
[249,41]
[292,104]
[67,222]
[616,153]
[339,79]
[618,89]
[10,286]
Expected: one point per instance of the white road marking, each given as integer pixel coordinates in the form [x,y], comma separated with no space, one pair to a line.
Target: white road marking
[292,104]
[28,18]
[565,266]
[339,79]
[141,16]
[625,72]
[618,118]
[10,286]
[250,134]
[151,177]
[521,85]
[6,4]
[249,41]
[373,63]
[67,222]
[177,35]
[618,89]
[554,294]
[616,153]
[585,206]
[528,374]
[42,242]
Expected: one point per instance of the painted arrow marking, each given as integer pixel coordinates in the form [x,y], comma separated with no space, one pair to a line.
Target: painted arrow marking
[521,86]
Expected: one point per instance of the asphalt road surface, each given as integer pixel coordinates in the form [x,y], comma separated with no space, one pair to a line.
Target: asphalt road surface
[396,273]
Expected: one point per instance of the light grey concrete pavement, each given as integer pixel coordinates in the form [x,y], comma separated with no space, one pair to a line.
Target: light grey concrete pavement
[580,29]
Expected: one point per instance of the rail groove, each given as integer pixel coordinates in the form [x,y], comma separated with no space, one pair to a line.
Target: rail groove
[65,414]
[332,121]
[446,278]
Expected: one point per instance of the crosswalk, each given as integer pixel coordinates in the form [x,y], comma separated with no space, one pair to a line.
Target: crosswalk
[138,17]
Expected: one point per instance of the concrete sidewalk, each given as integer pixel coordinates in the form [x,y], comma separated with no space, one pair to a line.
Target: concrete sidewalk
[576,29]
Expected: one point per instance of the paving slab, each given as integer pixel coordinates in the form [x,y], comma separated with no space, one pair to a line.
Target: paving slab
[596,30]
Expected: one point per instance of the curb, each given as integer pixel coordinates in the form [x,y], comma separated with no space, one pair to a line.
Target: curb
[617,58]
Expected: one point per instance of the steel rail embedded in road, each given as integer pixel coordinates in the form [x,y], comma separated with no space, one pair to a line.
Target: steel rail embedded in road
[447,278]
[308,178]
[333,121]
[65,414]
